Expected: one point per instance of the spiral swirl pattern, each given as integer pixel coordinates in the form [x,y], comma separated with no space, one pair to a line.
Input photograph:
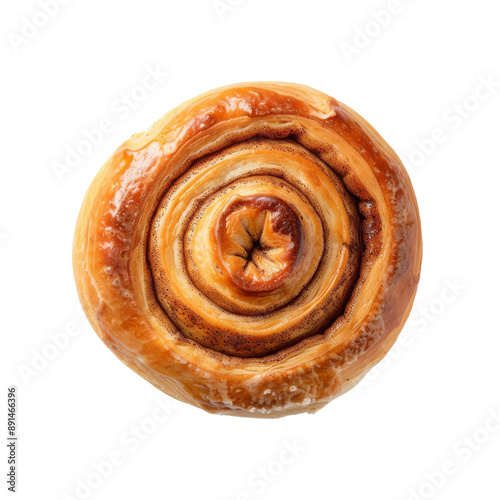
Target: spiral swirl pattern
[276,236]
[255,252]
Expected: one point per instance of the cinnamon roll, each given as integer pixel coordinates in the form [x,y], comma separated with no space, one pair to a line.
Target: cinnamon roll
[254,253]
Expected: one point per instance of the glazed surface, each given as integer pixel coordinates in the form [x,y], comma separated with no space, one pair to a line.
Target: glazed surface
[253,253]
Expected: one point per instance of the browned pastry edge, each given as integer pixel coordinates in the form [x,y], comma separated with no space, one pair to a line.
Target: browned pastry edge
[112,272]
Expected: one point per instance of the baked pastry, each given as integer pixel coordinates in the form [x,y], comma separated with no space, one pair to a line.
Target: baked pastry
[254,253]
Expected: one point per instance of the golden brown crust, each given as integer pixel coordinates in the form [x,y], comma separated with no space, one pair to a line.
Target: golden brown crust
[164,245]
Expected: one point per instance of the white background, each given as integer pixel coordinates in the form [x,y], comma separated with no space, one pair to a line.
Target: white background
[434,398]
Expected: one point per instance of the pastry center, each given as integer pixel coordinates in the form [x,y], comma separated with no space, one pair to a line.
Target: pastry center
[259,240]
